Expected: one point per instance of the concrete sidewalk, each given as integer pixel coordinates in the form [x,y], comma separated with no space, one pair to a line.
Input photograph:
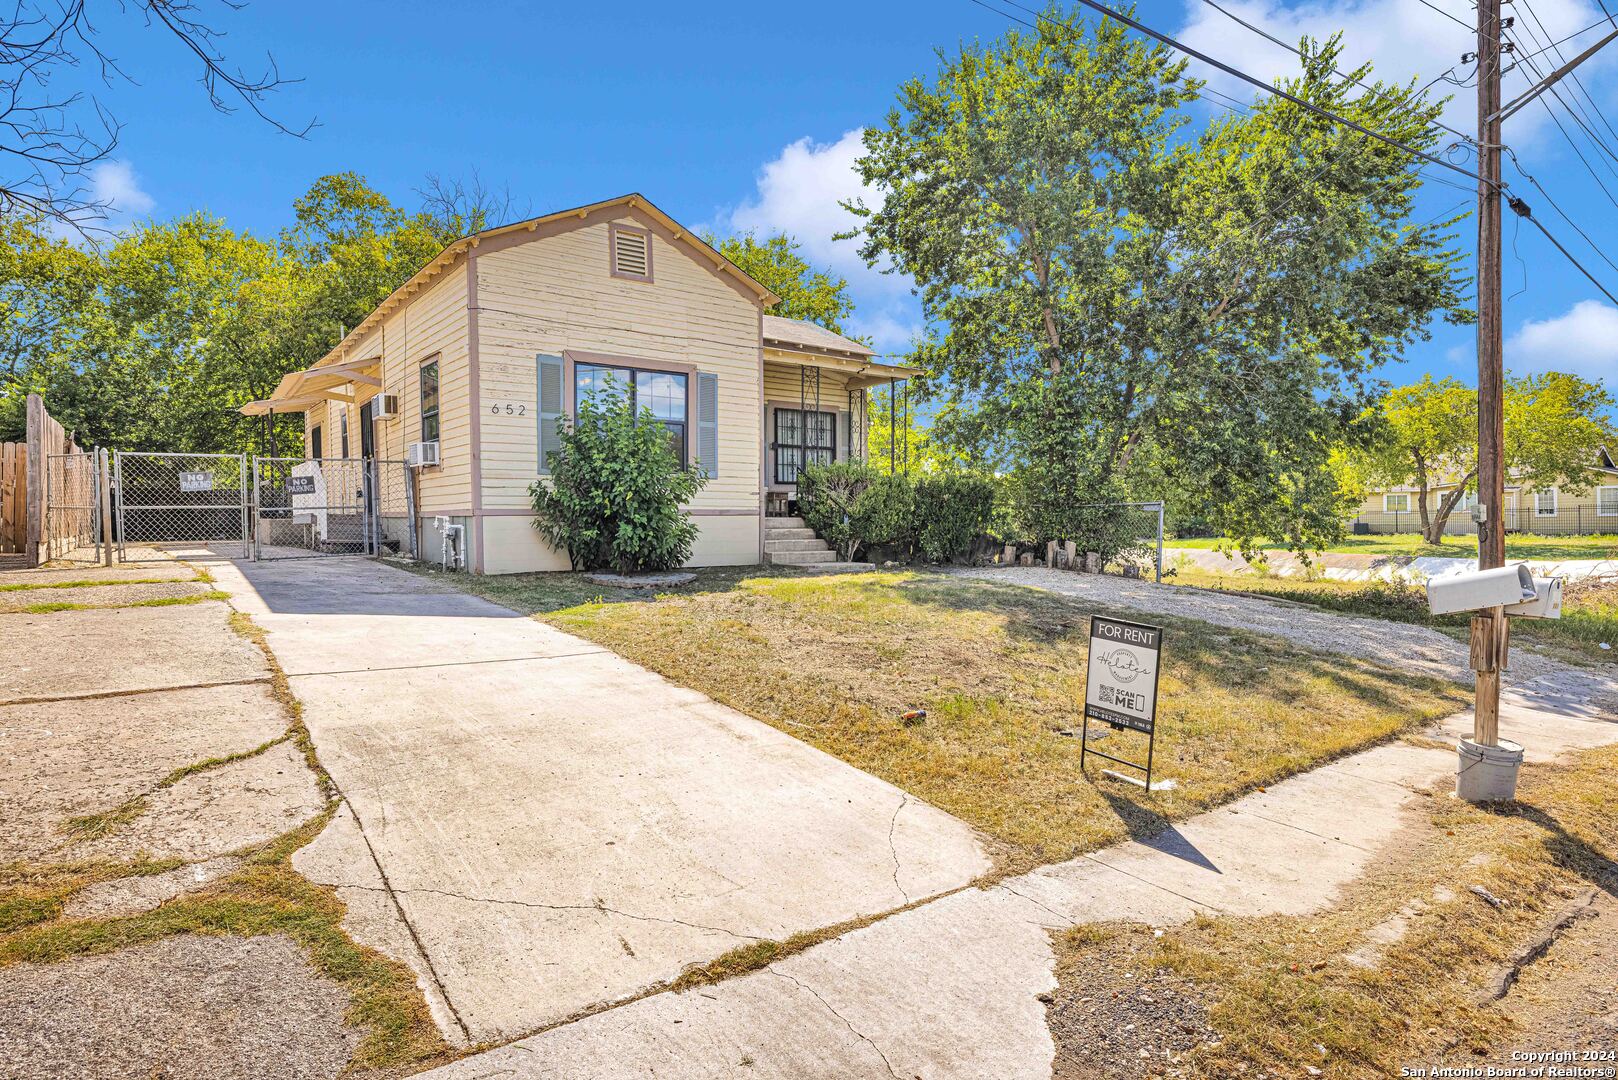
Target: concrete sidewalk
[538,826]
[950,989]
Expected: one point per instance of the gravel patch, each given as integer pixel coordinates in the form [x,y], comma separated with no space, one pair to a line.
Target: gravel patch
[1116,1018]
[1398,645]
[65,759]
[184,1008]
[101,595]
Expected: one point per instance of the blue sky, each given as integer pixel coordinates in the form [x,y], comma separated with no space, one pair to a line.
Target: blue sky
[739,116]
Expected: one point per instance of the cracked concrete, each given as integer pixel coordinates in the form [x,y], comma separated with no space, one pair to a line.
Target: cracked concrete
[555,829]
[69,758]
[950,989]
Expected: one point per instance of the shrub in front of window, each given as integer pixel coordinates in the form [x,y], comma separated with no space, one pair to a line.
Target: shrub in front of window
[855,508]
[953,511]
[615,492]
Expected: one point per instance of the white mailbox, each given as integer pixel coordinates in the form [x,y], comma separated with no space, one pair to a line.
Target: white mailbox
[1547,601]
[1503,586]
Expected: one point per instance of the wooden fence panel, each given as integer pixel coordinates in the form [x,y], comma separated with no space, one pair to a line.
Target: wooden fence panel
[13,498]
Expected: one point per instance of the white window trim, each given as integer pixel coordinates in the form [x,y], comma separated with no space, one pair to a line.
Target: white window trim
[1386,495]
[1555,498]
[1606,513]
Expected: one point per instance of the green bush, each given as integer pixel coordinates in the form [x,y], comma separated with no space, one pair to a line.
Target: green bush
[1047,505]
[854,507]
[615,492]
[953,509]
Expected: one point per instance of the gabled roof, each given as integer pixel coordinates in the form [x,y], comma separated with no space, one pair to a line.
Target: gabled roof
[443,259]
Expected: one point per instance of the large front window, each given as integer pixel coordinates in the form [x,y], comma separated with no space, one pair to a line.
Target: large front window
[803,438]
[661,392]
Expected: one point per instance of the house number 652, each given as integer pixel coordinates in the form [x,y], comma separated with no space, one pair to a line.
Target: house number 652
[508,409]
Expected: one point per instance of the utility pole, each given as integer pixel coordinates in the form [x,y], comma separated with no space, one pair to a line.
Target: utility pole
[1490,627]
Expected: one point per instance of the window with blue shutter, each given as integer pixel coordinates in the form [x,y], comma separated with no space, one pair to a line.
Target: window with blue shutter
[708,422]
[550,410]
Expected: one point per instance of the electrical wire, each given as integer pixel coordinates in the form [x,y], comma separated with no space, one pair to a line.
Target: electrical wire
[1574,75]
[1158,35]
[1516,164]
[1522,209]
[1295,51]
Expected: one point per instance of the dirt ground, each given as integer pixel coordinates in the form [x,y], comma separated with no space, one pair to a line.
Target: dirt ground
[1568,1000]
[1114,1017]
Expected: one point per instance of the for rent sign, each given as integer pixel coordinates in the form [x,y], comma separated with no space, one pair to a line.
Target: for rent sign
[1121,686]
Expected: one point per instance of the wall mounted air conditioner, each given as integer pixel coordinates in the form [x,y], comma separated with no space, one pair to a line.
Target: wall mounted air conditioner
[421,454]
[385,406]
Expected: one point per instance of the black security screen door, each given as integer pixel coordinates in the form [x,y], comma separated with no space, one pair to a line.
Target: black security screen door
[803,438]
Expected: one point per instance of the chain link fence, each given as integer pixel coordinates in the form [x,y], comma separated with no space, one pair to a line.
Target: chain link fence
[72,507]
[1102,538]
[196,499]
[305,508]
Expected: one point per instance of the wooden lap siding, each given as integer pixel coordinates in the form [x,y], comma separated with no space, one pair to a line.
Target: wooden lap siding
[782,386]
[555,295]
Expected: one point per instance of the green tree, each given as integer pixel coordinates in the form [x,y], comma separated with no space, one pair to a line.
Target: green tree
[1428,438]
[615,494]
[807,293]
[1117,309]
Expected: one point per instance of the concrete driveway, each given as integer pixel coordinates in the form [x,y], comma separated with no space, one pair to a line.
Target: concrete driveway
[539,827]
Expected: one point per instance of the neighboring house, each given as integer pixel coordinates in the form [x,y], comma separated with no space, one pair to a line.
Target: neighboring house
[489,346]
[1528,509]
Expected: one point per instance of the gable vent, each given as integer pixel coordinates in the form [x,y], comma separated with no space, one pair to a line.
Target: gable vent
[630,254]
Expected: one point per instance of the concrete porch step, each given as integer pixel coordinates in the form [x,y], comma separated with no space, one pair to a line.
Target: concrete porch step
[788,534]
[807,543]
[773,523]
[801,558]
[838,568]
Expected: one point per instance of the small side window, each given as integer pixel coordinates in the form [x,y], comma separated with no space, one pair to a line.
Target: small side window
[1396,502]
[429,401]
[342,429]
[314,443]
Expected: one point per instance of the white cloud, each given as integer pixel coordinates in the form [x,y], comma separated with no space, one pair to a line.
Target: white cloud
[801,193]
[1405,39]
[114,184]
[1581,341]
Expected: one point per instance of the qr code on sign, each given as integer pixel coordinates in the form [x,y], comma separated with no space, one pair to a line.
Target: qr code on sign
[1109,695]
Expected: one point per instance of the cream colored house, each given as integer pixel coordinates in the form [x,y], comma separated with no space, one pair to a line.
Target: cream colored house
[476,359]
[1528,508]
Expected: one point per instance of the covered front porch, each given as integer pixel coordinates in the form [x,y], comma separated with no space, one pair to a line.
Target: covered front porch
[816,403]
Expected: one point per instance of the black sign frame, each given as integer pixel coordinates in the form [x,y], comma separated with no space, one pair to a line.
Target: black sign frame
[1122,723]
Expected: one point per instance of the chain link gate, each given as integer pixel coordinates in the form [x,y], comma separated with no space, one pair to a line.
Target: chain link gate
[197,499]
[306,508]
[72,507]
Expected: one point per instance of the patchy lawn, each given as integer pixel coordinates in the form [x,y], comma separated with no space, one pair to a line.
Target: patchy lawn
[1589,609]
[1518,546]
[1403,971]
[835,661]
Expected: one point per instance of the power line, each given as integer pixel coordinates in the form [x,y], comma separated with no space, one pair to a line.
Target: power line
[1516,164]
[1451,18]
[1523,210]
[1295,51]
[1237,73]
[1574,75]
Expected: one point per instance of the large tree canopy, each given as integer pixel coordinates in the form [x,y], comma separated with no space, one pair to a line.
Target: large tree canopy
[1118,308]
[155,340]
[807,292]
[1556,425]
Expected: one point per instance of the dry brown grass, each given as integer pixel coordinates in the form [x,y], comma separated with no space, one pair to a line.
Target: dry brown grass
[1280,988]
[1000,670]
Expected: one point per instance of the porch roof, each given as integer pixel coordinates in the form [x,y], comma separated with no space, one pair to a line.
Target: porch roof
[299,390]
[794,341]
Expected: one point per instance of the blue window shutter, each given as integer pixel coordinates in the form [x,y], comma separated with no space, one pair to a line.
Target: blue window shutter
[550,410]
[708,422]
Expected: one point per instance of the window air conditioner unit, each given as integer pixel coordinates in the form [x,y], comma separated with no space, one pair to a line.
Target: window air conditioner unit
[421,454]
[385,406]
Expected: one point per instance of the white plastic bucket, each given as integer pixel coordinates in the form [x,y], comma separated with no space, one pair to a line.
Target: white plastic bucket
[1487,773]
